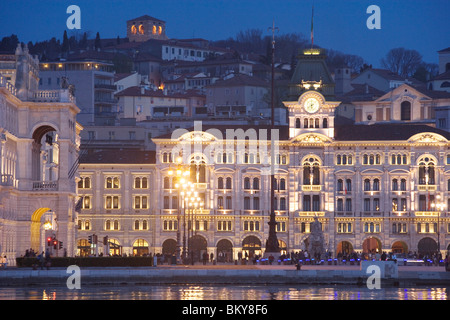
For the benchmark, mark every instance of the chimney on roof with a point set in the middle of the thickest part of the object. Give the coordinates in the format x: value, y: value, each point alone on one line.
x: 142, y: 90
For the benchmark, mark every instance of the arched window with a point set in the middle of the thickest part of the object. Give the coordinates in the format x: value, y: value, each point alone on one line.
x: 340, y: 205
x: 166, y: 183
x: 348, y: 185
x: 282, y: 203
x: 325, y: 123
x: 403, y: 185
x: 282, y: 184
x: 340, y: 185
x: 311, y: 171
x: 247, y: 183
x: 405, y: 111
x: 426, y: 170
x: 297, y: 123
x: 255, y: 183
x: 198, y: 170
x: 366, y: 185
x: 228, y: 183
x: 220, y: 183
x: 141, y: 29
x: 394, y: 184
x: 376, y: 185
x: 220, y: 202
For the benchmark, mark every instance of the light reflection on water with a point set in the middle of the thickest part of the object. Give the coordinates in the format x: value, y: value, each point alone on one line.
x: 198, y: 292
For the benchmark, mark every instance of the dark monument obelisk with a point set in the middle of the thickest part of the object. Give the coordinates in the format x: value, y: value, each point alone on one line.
x: 272, y: 245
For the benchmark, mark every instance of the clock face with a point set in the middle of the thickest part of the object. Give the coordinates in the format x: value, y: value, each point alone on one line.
x: 311, y: 105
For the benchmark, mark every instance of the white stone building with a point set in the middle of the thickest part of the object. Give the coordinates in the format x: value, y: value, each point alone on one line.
x: 39, y: 143
x: 374, y: 187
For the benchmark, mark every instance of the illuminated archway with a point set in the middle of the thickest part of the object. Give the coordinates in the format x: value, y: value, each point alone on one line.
x: 169, y: 247
x: 344, y: 247
x: 372, y: 245
x: 224, y: 251
x: 251, y: 245
x: 198, y: 245
x: 140, y: 247
x: 35, y: 228
x: 399, y: 247
x: 427, y: 246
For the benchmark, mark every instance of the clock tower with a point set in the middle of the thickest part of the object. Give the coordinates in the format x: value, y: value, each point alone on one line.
x: 311, y: 94
x: 311, y: 113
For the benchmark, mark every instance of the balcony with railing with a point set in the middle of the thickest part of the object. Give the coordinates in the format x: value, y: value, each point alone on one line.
x: 375, y: 213
x: 61, y: 95
x: 311, y: 213
x: 108, y: 87
x: 426, y: 187
x: 428, y: 213
x: 313, y: 188
x: 6, y: 180
x: 4, y: 83
x: 45, y: 186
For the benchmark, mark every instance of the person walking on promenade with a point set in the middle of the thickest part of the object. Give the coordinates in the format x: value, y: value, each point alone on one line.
x: 41, y: 260
x: 47, y: 259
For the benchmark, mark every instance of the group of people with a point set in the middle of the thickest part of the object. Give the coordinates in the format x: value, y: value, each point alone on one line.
x: 43, y: 259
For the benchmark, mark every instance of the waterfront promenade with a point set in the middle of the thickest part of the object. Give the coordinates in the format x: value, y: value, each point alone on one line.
x: 225, y: 274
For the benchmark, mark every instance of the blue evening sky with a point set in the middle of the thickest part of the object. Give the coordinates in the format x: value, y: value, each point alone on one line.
x: 422, y: 25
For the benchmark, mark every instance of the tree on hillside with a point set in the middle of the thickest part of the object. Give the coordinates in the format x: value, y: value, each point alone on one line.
x: 65, y: 44
x: 401, y: 61
x: 9, y: 44
x: 337, y: 59
x: 97, y: 43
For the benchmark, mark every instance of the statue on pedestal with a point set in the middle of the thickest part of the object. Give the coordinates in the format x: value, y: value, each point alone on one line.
x: 316, y: 240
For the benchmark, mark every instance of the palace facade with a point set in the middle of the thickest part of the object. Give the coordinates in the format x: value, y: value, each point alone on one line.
x: 374, y: 186
x: 39, y: 144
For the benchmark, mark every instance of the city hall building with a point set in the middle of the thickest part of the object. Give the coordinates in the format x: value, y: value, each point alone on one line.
x: 379, y: 184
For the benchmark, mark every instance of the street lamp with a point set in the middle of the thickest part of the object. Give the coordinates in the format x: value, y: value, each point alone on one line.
x: 439, y: 206
x: 193, y: 202
x: 181, y: 175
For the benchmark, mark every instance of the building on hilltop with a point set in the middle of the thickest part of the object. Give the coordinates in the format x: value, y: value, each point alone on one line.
x: 143, y: 28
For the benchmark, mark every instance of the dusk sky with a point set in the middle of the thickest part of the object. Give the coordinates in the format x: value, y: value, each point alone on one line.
x: 338, y: 24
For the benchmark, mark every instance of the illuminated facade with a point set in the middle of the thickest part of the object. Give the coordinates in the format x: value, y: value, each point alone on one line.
x: 373, y: 187
x: 378, y: 187
x: 39, y: 143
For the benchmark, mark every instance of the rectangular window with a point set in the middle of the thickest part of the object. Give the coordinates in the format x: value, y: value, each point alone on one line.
x: 112, y: 202
x: 140, y: 202
x: 86, y: 202
x: 281, y: 226
x: 306, y: 203
x: 367, y: 204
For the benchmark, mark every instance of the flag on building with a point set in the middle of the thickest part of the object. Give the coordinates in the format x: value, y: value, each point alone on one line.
x: 312, y: 28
